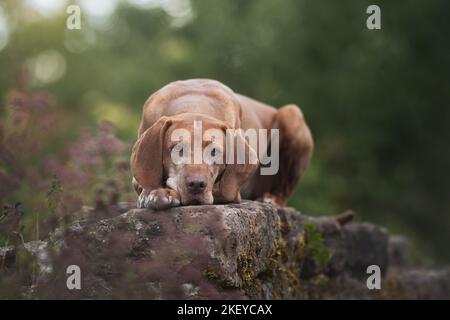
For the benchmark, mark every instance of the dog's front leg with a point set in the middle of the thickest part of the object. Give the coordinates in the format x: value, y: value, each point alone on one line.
x: 158, y: 199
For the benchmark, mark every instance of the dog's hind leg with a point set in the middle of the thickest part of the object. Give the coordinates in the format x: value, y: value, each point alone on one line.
x: 295, y: 151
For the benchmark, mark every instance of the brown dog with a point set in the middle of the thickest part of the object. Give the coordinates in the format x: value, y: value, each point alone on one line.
x: 161, y: 183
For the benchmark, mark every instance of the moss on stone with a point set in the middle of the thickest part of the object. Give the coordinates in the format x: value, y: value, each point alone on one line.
x: 244, y: 267
x: 316, y: 244
x: 392, y: 288
x: 283, y: 265
x: 209, y: 274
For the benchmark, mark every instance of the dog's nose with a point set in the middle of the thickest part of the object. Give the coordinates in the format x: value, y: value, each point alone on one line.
x: 196, y: 184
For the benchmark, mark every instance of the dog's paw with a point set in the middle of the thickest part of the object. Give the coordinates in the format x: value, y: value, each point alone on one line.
x: 271, y: 199
x: 159, y: 199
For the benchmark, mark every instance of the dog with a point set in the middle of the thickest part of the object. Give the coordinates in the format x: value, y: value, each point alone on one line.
x: 161, y: 183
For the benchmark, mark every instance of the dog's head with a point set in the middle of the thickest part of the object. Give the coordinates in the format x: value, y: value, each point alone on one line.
x: 171, y: 153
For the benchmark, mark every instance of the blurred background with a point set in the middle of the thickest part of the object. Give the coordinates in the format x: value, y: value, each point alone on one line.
x: 377, y: 101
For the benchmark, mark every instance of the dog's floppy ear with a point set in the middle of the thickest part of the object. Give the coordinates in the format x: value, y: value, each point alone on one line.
x: 147, y: 155
x: 235, y: 174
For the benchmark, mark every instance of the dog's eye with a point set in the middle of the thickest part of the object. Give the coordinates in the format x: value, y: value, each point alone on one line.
x: 178, y: 148
x: 216, y: 152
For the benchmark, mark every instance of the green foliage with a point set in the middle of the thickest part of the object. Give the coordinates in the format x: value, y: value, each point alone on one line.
x: 316, y: 244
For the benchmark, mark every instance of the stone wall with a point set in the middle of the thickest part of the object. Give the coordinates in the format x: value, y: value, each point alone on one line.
x: 248, y: 250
